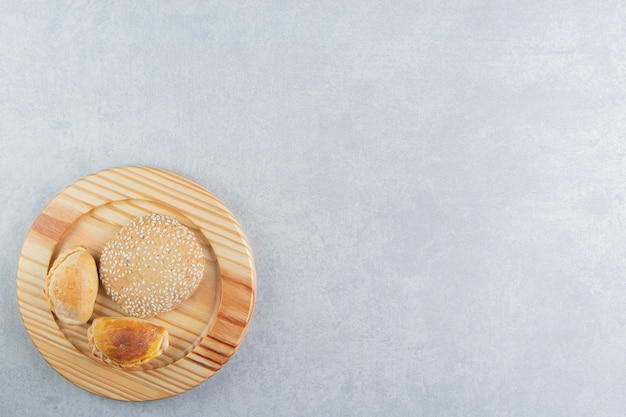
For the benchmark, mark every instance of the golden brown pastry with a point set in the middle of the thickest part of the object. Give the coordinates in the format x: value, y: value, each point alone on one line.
x: 151, y: 265
x: 72, y: 285
x: 126, y: 342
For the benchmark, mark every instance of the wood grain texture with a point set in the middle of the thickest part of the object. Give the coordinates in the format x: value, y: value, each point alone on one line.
x: 205, y: 330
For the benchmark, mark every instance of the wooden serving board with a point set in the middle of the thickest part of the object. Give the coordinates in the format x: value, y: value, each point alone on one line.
x: 205, y: 330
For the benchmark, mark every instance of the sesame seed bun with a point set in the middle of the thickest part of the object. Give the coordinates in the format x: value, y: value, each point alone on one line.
x: 151, y: 265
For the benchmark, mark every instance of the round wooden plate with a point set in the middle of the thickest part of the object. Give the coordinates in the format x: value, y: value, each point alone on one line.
x: 205, y: 330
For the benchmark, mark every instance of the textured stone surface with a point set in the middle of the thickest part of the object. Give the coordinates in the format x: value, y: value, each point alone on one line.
x: 435, y: 192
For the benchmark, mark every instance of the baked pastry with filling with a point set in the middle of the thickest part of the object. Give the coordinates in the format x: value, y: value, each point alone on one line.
x: 72, y: 285
x: 126, y: 342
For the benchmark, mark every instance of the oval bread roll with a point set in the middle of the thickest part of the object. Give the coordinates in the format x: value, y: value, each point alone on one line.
x: 72, y: 286
x: 126, y: 342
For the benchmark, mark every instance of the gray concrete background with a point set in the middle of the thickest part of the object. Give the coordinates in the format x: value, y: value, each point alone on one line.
x: 435, y: 192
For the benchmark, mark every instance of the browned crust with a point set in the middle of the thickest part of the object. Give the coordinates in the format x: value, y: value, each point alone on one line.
x: 126, y: 342
x: 72, y: 285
